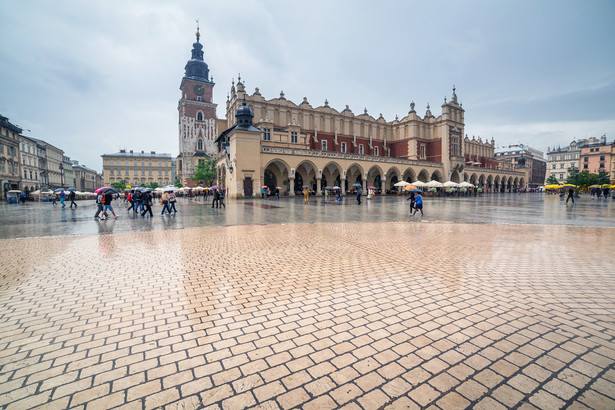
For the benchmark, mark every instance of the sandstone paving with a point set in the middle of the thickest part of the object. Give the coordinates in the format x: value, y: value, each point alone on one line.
x: 321, y: 315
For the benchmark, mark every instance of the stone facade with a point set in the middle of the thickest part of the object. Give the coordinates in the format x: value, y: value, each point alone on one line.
x: 515, y: 156
x: 10, y: 170
x: 137, y: 168
x: 197, y: 116
x: 293, y: 145
x: 560, y: 161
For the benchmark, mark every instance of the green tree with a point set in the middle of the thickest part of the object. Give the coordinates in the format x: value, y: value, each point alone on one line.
x: 603, y: 177
x: 552, y: 180
x: 153, y: 185
x: 205, y: 171
x: 121, y: 185
x: 177, y: 183
x: 583, y: 179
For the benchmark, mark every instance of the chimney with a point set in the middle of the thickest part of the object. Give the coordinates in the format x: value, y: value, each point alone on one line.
x: 154, y: 152
x: 131, y: 151
x: 142, y: 152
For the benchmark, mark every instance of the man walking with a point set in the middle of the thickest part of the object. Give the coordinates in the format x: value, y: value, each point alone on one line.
x: 570, y: 195
x: 71, y: 196
x: 146, y: 199
x: 108, y: 199
x: 359, y: 192
x: 62, y: 199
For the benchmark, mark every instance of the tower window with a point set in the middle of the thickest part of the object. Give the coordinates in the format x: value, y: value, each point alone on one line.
x: 361, y: 149
x: 324, y: 145
x: 266, y: 134
x: 199, y: 116
x: 199, y: 145
x: 343, y: 147
x: 422, y: 152
x: 293, y: 137
x: 376, y: 153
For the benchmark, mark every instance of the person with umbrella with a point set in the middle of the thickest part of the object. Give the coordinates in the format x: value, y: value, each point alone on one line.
x: 418, y: 204
x: 108, y: 198
x: 306, y: 193
x: 172, y: 200
x: 165, y: 202
x: 146, y: 198
x: 570, y: 195
x: 71, y: 196
x: 62, y: 198
x: 359, y: 192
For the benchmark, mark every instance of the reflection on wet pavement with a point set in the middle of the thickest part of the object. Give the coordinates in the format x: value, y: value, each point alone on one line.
x: 43, y: 219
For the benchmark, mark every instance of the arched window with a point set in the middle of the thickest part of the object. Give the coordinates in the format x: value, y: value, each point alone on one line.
x: 199, y: 145
x: 199, y: 116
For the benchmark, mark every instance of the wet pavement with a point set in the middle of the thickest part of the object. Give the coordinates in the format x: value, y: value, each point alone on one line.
x: 44, y: 219
x: 494, y: 302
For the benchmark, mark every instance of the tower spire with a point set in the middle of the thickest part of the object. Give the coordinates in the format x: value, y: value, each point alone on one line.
x: 198, y: 34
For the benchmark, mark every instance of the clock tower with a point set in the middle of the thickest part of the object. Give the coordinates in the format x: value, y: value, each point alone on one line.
x: 197, y: 115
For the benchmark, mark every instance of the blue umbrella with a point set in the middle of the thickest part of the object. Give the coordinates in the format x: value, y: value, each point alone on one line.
x: 58, y: 190
x: 71, y: 189
x: 357, y: 185
x: 305, y: 186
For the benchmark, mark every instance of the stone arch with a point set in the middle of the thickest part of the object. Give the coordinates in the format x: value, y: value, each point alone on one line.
x: 354, y: 174
x: 496, y: 183
x: 423, y: 176
x: 409, y: 175
x: 455, y: 176
x: 307, y: 170
x: 473, y: 179
x: 516, y: 183
x: 481, y: 181
x: 276, y: 174
x: 436, y: 176
x: 393, y: 177
x: 331, y: 174
x: 490, y: 182
x: 374, y: 176
x: 522, y: 183
x: 466, y: 176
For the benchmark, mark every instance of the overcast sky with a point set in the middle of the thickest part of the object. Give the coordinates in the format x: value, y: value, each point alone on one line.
x: 94, y: 77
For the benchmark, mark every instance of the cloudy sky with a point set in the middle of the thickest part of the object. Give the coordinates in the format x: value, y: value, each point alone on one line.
x: 94, y: 77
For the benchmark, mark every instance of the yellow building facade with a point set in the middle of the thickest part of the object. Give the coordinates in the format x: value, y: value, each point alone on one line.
x: 137, y: 168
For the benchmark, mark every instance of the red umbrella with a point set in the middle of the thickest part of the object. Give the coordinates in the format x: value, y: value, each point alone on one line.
x: 100, y: 189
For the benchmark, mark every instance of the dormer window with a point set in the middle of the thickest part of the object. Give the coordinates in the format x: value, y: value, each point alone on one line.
x: 266, y: 134
x: 293, y: 137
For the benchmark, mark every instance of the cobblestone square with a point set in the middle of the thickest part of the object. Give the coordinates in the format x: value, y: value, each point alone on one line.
x: 317, y: 315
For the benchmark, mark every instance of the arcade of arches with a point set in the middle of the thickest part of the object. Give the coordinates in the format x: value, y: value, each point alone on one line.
x: 290, y: 173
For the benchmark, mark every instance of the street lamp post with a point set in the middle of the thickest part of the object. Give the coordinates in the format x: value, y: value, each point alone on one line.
x: 62, y: 174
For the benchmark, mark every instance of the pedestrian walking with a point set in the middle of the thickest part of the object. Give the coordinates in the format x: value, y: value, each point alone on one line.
x: 359, y: 192
x: 221, y: 200
x: 172, y: 200
x: 147, y: 204
x: 306, y: 194
x: 216, y: 200
x: 130, y: 199
x: 338, y: 194
x: 62, y: 199
x: 570, y: 195
x: 99, y: 203
x: 277, y: 193
x: 262, y: 193
x: 108, y: 206
x: 55, y: 200
x: 165, y: 203
x: 71, y: 196
x: 418, y: 204
x: 412, y: 200
x: 326, y: 195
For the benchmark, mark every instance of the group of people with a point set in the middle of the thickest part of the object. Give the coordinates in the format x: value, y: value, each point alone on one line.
x: 416, y: 203
x: 62, y: 197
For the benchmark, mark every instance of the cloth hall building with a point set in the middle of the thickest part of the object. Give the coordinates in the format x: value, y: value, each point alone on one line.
x: 279, y: 143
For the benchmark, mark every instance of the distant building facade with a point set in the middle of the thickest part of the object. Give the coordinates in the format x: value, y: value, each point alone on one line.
x: 561, y: 161
x: 596, y: 158
x: 197, y: 116
x: 29, y: 158
x: 137, y: 168
x: 85, y: 178
x: 10, y: 169
x: 515, y: 156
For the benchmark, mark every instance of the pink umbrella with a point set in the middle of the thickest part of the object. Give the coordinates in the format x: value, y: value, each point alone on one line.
x: 100, y: 189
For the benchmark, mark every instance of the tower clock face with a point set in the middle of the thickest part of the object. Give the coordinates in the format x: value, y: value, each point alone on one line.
x: 199, y: 89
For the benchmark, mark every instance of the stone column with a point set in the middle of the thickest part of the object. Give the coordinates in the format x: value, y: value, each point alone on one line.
x: 383, y: 186
x: 318, y: 187
x: 342, y: 186
x: 364, y: 180
x: 292, y: 186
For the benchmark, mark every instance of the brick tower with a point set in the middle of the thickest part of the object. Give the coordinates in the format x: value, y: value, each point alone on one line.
x: 197, y: 115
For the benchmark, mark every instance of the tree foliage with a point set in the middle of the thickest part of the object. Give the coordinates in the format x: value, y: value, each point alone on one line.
x: 552, y: 180
x: 205, y: 171
x: 121, y: 185
x: 585, y: 178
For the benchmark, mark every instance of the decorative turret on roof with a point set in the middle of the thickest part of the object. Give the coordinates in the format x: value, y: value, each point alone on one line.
x: 428, y: 112
x: 196, y: 68
x: 244, y: 115
x: 454, y: 97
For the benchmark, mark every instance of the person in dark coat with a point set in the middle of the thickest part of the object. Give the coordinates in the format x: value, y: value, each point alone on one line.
x: 71, y: 196
x: 216, y: 200
x: 147, y: 204
x: 359, y: 192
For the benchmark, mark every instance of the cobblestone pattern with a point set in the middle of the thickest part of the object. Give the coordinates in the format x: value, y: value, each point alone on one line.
x: 393, y: 315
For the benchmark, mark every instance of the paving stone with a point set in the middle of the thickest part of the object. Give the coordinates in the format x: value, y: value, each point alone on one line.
x: 268, y: 324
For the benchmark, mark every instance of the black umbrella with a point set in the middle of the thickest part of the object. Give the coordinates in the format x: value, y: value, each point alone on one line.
x: 110, y: 191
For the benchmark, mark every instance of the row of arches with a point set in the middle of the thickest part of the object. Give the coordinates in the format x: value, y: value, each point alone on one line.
x: 278, y: 173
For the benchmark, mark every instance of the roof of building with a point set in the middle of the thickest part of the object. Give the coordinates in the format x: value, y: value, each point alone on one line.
x: 142, y: 154
x: 83, y: 167
x: 4, y: 122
